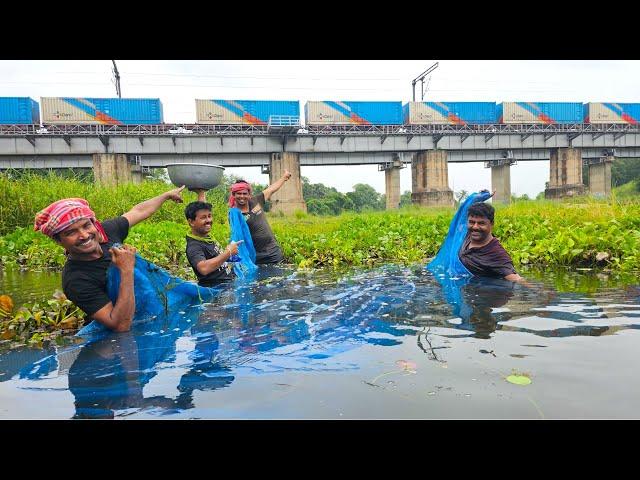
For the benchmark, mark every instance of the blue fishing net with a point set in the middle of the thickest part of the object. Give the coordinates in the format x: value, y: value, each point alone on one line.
x: 244, y: 264
x: 156, y: 292
x: 447, y: 263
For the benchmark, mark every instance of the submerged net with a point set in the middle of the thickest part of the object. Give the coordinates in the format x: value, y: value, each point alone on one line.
x: 245, y: 264
x: 447, y: 263
x: 156, y: 292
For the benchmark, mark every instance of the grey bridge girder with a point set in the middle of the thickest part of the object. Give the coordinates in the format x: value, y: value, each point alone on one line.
x: 235, y: 144
x: 314, y: 158
x: 139, y: 145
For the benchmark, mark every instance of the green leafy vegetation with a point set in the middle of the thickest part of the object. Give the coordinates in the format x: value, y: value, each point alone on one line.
x: 40, y: 322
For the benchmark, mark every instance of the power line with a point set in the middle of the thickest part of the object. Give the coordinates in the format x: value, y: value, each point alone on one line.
x: 297, y: 77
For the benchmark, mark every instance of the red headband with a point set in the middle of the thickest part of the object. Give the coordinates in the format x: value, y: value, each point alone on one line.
x: 61, y: 214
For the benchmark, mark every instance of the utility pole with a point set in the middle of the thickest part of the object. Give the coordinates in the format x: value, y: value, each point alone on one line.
x: 421, y: 77
x: 116, y: 76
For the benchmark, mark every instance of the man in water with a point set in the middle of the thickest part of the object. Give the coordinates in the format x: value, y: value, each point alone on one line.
x: 481, y: 253
x: 267, y: 249
x: 205, y: 255
x: 90, y: 251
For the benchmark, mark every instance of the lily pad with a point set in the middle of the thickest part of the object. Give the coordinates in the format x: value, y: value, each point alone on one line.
x: 519, y: 379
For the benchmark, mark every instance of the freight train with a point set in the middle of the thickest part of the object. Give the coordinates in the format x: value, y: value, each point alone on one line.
x: 148, y: 111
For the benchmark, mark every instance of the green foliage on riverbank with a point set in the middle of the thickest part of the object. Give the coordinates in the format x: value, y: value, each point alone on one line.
x: 537, y: 233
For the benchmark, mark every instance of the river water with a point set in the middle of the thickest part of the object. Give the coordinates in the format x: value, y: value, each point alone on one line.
x: 390, y: 342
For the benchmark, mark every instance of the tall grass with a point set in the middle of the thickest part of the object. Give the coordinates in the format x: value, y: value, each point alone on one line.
x: 21, y: 198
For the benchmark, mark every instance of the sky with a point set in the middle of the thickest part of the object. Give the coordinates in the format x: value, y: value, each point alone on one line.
x: 179, y: 82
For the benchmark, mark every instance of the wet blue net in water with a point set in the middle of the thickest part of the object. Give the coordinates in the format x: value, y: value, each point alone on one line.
x: 156, y: 292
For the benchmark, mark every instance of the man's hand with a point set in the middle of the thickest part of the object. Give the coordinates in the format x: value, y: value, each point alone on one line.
x: 287, y: 175
x: 487, y: 191
x: 233, y: 247
x: 124, y: 258
x: 202, y: 194
x: 175, y: 194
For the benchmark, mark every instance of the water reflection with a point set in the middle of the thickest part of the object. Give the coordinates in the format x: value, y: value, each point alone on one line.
x: 110, y: 373
x: 304, y: 322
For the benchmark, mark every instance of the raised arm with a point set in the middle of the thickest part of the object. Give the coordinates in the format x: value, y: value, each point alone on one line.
x: 202, y: 194
x: 275, y: 186
x: 144, y: 210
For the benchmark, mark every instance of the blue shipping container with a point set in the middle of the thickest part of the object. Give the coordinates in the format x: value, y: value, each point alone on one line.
x: 130, y: 111
x: 19, y: 111
x: 264, y: 109
x: 563, y: 112
x: 353, y: 113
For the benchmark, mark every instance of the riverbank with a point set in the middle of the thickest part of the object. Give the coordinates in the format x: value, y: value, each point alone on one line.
x: 537, y: 233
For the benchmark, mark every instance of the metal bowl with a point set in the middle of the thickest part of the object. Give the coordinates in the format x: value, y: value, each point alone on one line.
x: 195, y: 175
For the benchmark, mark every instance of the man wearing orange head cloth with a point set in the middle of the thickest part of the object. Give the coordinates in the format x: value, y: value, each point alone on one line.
x: 90, y: 252
x: 267, y: 249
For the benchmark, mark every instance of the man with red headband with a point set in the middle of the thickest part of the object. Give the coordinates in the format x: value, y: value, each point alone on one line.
x: 267, y: 249
x: 90, y: 252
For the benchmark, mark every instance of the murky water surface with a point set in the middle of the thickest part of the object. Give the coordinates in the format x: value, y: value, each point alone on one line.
x: 391, y: 342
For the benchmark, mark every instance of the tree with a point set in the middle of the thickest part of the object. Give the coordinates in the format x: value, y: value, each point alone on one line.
x: 461, y: 196
x: 405, y: 198
x: 365, y: 197
x: 624, y: 170
x: 159, y: 174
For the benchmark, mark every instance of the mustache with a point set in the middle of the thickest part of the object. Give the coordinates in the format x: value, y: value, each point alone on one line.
x: 79, y: 242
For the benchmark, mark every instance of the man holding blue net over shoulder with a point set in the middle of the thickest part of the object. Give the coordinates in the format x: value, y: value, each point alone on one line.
x: 94, y: 250
x: 470, y: 247
x: 209, y: 261
x: 251, y: 207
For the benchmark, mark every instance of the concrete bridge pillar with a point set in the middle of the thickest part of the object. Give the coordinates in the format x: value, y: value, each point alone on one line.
x: 565, y: 173
x: 392, y: 182
x: 289, y: 198
x: 112, y: 169
x: 430, y: 179
x: 501, y: 180
x: 136, y: 174
x: 600, y: 177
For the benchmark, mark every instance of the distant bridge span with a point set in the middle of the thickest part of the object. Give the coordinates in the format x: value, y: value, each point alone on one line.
x: 428, y: 148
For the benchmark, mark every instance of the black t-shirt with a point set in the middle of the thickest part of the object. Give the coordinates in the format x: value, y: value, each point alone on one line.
x: 198, y: 251
x: 85, y: 282
x: 264, y: 241
x: 491, y: 260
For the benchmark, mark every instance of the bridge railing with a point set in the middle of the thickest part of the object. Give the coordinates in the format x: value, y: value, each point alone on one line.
x: 292, y: 126
x: 284, y: 121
